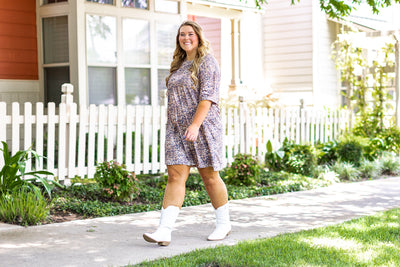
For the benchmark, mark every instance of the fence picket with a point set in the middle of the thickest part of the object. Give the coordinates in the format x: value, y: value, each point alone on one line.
x: 28, y: 121
x: 40, y: 120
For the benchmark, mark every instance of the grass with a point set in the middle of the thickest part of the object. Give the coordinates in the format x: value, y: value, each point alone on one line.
x: 367, y: 241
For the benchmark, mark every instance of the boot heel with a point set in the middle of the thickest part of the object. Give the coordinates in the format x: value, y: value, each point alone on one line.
x: 163, y: 243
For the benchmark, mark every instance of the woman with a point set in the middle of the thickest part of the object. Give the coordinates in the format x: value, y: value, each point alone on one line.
x: 194, y: 132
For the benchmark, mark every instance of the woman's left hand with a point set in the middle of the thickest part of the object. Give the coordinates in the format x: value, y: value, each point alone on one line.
x: 192, y: 132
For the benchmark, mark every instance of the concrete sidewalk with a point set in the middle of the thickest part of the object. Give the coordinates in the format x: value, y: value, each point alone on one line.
x: 117, y: 241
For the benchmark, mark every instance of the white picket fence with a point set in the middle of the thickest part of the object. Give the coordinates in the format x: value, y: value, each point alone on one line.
x: 74, y: 142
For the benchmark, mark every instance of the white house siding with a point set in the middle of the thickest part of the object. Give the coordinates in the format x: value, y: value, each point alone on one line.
x: 251, y: 53
x: 288, y: 50
x: 325, y: 74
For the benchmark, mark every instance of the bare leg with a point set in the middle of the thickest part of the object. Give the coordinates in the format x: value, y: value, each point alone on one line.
x: 175, y: 189
x: 173, y: 200
x: 215, y: 187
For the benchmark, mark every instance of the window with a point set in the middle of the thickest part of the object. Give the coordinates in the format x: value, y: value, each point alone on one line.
x: 136, y: 45
x: 101, y: 39
x: 166, y: 36
x: 167, y: 6
x: 136, y: 39
x: 55, y: 57
x: 102, y: 85
x: 54, y: 77
x: 107, y: 2
x: 137, y: 86
x: 46, y: 2
x: 101, y: 43
x: 143, y: 4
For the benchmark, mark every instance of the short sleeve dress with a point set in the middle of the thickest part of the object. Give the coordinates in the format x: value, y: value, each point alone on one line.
x: 183, y: 100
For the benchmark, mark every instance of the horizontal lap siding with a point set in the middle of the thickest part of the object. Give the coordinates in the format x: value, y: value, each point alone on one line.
x: 212, y: 31
x: 288, y: 45
x: 18, y: 43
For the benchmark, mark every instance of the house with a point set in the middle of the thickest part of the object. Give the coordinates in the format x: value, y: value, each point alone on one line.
x: 116, y: 51
x: 297, y: 43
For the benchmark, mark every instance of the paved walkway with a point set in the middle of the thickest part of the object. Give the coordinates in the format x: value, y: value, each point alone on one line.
x: 117, y: 241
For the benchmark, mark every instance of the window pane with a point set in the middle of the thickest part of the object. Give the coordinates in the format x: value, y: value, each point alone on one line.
x: 162, y: 74
x: 136, y: 35
x: 107, y: 2
x: 167, y: 6
x: 102, y: 85
x: 143, y: 4
x: 53, y: 79
x: 55, y: 40
x: 101, y: 39
x: 137, y: 86
x: 45, y: 2
x: 166, y: 36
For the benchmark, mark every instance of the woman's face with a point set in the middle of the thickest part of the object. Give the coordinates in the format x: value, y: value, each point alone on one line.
x: 188, y: 40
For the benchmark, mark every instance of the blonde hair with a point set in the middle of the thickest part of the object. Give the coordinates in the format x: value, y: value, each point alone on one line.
x: 180, y: 54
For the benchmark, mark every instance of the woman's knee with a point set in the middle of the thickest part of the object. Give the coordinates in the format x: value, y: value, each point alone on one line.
x: 177, y: 174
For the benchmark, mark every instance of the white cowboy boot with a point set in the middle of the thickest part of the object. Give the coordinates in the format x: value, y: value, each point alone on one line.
x: 162, y: 236
x: 223, y: 224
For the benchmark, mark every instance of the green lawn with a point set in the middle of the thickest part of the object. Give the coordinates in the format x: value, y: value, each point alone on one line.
x: 367, y: 241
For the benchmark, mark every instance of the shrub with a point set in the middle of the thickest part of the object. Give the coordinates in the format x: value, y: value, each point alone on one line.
x: 24, y: 206
x: 13, y: 176
x: 117, y: 183
x: 291, y: 157
x: 351, y: 149
x: 390, y: 164
x: 370, y: 169
x: 244, y: 170
x: 346, y: 171
x: 326, y: 152
x: 391, y: 139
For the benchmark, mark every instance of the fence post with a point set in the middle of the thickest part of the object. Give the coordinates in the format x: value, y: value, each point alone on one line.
x: 301, y: 121
x: 66, y: 98
x: 242, y: 125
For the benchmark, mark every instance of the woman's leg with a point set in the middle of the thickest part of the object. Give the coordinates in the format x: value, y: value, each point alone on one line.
x: 175, y: 190
x: 215, y: 187
x: 218, y: 194
x: 173, y: 200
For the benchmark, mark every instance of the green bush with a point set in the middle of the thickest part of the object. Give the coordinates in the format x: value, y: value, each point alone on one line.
x: 24, y: 206
x: 326, y: 152
x: 390, y: 164
x: 293, y: 158
x: 117, y: 183
x: 391, y: 139
x: 346, y: 171
x: 244, y: 170
x: 370, y: 169
x: 351, y: 148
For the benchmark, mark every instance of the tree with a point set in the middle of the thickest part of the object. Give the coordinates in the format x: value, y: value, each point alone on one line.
x: 341, y: 8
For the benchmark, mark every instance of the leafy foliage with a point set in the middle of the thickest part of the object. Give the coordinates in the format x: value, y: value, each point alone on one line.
x: 346, y: 171
x: 291, y: 157
x: 326, y: 152
x: 117, y: 183
x: 24, y: 206
x: 340, y: 8
x: 351, y: 148
x: 244, y: 170
x: 13, y: 175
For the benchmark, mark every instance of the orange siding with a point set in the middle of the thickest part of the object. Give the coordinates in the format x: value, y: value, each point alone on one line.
x: 18, y: 43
